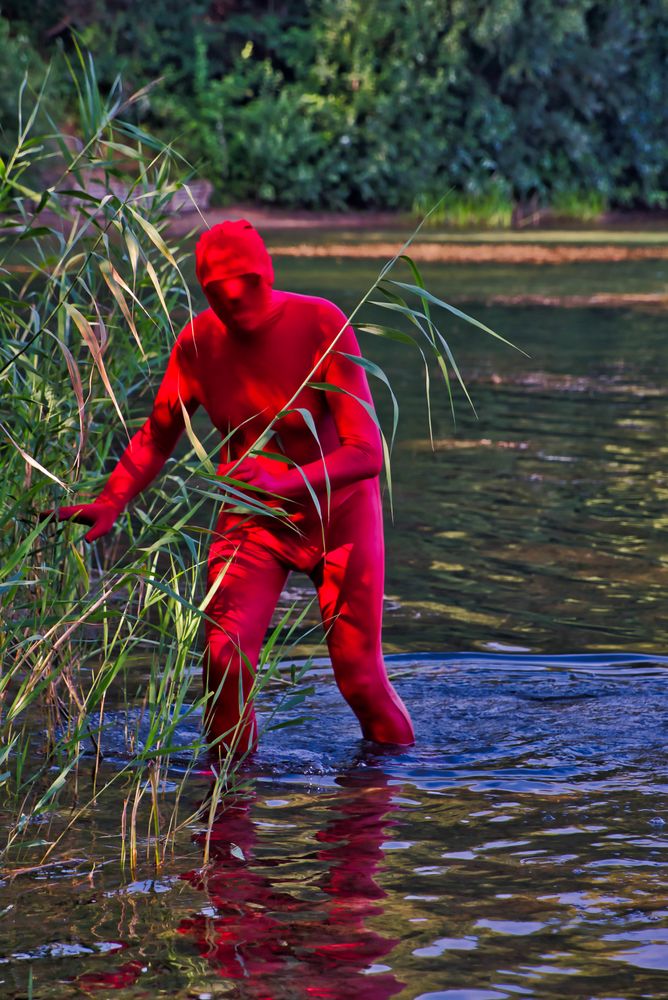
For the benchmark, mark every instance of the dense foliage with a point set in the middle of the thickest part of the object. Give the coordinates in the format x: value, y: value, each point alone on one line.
x: 334, y: 103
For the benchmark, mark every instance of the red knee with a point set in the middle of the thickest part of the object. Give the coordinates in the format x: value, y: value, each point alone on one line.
x: 226, y: 665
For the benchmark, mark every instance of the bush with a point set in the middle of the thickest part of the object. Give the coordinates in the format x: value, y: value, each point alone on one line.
x: 19, y: 61
x: 332, y: 103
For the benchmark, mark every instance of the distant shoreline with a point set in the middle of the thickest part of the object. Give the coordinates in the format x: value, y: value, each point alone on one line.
x: 611, y: 227
x: 379, y: 235
x: 471, y: 253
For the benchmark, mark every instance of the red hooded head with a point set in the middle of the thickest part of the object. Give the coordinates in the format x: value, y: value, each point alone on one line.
x: 230, y: 249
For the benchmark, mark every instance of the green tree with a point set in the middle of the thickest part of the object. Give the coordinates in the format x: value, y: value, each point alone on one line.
x: 332, y: 103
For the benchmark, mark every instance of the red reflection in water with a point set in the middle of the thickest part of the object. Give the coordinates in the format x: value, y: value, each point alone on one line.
x: 124, y: 975
x: 257, y: 932
x: 261, y: 934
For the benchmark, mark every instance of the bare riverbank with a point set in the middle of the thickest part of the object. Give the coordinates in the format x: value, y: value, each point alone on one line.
x: 379, y: 235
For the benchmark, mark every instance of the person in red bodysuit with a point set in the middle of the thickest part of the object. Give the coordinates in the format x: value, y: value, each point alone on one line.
x: 247, y: 360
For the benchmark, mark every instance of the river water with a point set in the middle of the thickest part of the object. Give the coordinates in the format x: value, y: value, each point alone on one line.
x: 520, y: 849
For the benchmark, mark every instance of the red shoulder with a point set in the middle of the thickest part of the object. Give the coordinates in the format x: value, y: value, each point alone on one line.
x: 322, y: 312
x: 332, y: 319
x: 194, y: 335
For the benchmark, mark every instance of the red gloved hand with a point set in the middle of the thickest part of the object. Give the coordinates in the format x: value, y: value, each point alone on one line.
x: 100, y: 514
x: 271, y: 480
x: 256, y: 474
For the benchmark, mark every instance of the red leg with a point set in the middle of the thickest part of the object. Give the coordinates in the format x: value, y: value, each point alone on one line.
x: 251, y: 583
x: 350, y: 592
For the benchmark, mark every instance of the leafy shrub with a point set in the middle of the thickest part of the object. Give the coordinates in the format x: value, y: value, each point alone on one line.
x: 331, y: 103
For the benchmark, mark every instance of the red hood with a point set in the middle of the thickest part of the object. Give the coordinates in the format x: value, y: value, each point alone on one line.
x: 230, y: 249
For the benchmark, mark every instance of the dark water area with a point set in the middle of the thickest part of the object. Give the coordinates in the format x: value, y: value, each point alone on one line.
x: 519, y: 849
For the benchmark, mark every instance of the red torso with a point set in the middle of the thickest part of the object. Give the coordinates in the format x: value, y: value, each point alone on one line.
x: 244, y: 379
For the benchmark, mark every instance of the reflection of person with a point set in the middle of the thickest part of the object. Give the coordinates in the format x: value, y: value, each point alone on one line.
x: 256, y: 930
x: 244, y: 360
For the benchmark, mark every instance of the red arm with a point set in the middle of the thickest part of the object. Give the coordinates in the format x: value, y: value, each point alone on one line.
x: 145, y: 454
x: 151, y: 446
x: 360, y: 454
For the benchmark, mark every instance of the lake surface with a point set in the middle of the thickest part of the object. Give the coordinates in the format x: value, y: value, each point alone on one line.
x: 542, y: 525
x: 520, y: 849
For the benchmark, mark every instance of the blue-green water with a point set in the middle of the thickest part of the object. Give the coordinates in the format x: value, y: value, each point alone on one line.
x: 540, y: 525
x: 519, y: 849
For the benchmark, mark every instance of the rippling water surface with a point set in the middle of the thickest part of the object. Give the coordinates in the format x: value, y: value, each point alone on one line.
x: 520, y: 849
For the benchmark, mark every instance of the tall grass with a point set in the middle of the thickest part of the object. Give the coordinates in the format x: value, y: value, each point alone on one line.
x: 490, y: 206
x: 91, y: 293
x: 579, y: 206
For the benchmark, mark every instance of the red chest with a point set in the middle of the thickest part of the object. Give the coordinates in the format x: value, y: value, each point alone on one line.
x: 249, y: 384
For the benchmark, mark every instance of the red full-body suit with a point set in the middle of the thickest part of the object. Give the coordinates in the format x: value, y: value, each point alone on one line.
x: 246, y: 359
